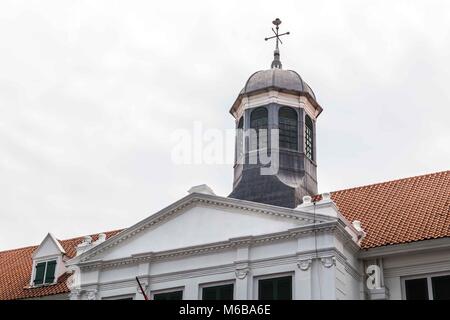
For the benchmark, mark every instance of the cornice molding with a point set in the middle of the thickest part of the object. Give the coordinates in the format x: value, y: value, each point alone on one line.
x: 406, y: 248
x: 198, y: 199
x: 211, y: 247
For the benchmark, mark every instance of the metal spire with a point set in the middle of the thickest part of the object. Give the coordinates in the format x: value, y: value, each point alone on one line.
x: 276, y: 63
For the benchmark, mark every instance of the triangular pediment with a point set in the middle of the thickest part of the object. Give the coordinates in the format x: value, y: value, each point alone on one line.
x: 50, y: 246
x: 197, y: 220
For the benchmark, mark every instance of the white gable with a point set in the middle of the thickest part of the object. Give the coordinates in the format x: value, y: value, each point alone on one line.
x: 48, y: 247
x: 200, y: 225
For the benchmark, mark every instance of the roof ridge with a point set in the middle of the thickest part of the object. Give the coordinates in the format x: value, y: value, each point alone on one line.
x: 59, y: 240
x: 91, y: 234
x: 393, y: 180
x: 20, y: 248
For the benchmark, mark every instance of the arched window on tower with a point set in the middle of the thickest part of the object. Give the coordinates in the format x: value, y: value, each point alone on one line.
x: 309, y: 138
x: 288, y: 128
x: 258, y: 121
x: 240, y: 139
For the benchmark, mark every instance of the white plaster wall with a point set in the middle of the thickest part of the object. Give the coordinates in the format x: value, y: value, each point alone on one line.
x: 200, y: 225
x: 398, y: 266
x: 191, y: 272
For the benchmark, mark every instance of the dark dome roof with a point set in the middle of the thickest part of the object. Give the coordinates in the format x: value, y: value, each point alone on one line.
x: 277, y: 78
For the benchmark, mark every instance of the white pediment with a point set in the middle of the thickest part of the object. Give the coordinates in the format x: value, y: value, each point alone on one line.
x: 193, y: 221
x: 50, y: 246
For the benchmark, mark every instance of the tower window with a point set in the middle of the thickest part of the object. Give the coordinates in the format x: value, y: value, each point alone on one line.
x: 258, y: 121
x: 240, y: 139
x: 288, y: 128
x: 45, y: 272
x: 309, y: 138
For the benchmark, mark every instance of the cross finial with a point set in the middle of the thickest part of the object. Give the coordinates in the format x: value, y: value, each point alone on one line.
x: 276, y: 63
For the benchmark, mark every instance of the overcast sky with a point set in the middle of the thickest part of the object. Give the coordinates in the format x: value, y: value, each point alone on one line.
x: 90, y: 92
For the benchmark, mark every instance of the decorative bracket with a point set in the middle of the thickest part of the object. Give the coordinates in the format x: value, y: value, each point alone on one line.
x: 328, y: 262
x: 304, y: 264
x: 144, y: 285
x: 242, y: 270
x: 74, y: 294
x: 92, y: 294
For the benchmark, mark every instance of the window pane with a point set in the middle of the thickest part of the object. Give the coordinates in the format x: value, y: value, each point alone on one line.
x: 50, y: 273
x: 441, y: 287
x: 258, y: 121
x: 416, y: 289
x: 275, y: 289
x: 223, y: 292
x: 288, y: 128
x: 39, y: 275
x: 240, y: 139
x: 173, y: 295
x: 309, y: 138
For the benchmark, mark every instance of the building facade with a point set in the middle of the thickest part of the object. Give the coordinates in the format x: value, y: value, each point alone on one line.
x: 273, y: 237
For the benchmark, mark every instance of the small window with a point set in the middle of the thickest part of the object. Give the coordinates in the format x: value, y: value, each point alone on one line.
x: 258, y: 123
x: 416, y: 289
x: 172, y: 295
x: 222, y: 292
x: 240, y: 139
x: 428, y: 288
x: 309, y: 138
x: 275, y: 288
x: 45, y: 272
x: 441, y: 287
x: 288, y: 128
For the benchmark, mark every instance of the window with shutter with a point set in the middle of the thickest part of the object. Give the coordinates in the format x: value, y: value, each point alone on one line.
x: 45, y: 272
x: 50, y: 272
x: 39, y: 274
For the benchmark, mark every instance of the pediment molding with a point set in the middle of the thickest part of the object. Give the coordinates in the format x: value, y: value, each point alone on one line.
x: 211, y: 247
x: 199, y: 200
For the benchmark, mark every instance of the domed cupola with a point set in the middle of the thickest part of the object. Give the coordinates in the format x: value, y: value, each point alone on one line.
x: 275, y: 113
x: 278, y: 79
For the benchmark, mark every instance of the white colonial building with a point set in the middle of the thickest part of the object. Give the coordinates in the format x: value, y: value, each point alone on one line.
x: 273, y: 237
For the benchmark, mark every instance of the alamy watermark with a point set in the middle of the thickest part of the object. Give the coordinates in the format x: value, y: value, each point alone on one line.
x: 213, y: 146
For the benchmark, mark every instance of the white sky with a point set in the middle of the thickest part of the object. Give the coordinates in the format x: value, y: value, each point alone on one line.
x: 90, y: 92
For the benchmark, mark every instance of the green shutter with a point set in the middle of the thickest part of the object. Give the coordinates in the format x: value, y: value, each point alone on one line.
x: 50, y: 273
x: 39, y: 274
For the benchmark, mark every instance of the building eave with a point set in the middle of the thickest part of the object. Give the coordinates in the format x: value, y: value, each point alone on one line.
x: 406, y: 248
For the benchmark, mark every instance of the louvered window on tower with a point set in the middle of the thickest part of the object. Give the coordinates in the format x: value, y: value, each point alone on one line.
x: 258, y: 126
x: 288, y: 128
x: 309, y: 138
x: 240, y: 139
x: 45, y: 272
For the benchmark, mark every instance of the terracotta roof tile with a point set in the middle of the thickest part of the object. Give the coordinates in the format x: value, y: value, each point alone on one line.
x: 15, y: 271
x: 393, y: 212
x: 399, y: 211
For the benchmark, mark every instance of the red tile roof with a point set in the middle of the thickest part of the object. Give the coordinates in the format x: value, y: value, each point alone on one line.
x: 15, y: 271
x: 399, y: 211
x: 393, y: 212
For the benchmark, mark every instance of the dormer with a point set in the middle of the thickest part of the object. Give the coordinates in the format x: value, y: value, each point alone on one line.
x: 48, y: 264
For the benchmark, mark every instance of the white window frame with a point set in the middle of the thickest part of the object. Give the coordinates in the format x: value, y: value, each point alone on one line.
x: 216, y: 284
x: 33, y: 272
x: 272, y: 276
x: 168, y: 290
x: 427, y: 276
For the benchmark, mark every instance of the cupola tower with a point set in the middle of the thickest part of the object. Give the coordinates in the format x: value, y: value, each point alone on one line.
x: 275, y: 115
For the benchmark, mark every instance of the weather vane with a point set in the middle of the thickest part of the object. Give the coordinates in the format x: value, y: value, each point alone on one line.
x: 276, y: 63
